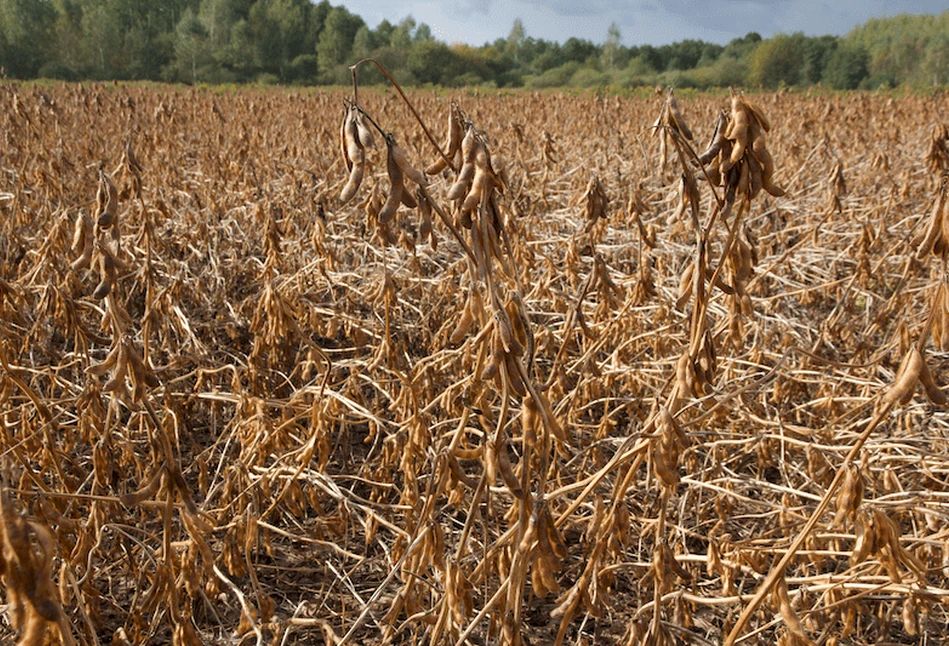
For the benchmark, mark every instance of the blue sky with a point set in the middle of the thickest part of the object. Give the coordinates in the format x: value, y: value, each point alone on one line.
x: 654, y: 22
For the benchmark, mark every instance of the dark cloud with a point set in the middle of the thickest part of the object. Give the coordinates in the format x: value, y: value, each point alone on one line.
x: 726, y: 16
x: 472, y: 7
x: 655, y: 22
x: 569, y: 8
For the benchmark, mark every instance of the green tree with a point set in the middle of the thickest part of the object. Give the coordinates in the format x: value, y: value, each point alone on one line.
x: 847, y: 67
x: 218, y: 17
x: 363, y: 43
x: 266, y: 38
x: 422, y: 33
x: 555, y: 77
x: 741, y: 48
x: 26, y: 29
x: 116, y: 38
x: 401, y: 37
x: 102, y: 31
x: 546, y: 60
x: 654, y: 58
x: 897, y: 46
x: 710, y: 54
x: 383, y: 33
x: 576, y: 49
x: 240, y: 56
x: 539, y: 55
x: 779, y: 60
x: 434, y: 62
x: 315, y: 23
x: 639, y: 66
x: 148, y: 29
x: 286, y: 34
x: 817, y: 52
x: 611, y: 47
x: 68, y: 37
x: 935, y: 64
x: 685, y: 55
x: 192, y: 48
x: 336, y: 44
x: 729, y: 71
x: 515, y: 40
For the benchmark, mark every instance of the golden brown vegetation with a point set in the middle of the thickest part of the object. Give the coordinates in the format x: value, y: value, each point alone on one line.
x: 588, y: 381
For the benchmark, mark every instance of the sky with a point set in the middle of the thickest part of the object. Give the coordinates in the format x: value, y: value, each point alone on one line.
x: 640, y: 22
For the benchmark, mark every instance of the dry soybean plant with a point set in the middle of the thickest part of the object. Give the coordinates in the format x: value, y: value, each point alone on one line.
x: 285, y: 367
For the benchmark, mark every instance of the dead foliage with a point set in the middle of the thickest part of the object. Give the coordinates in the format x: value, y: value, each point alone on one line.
x: 265, y: 380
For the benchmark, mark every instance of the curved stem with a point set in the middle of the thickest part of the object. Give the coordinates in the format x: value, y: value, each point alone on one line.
x: 352, y: 70
x: 404, y: 98
x: 777, y: 570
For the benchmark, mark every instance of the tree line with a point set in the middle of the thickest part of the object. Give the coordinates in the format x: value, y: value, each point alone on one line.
x: 298, y: 42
